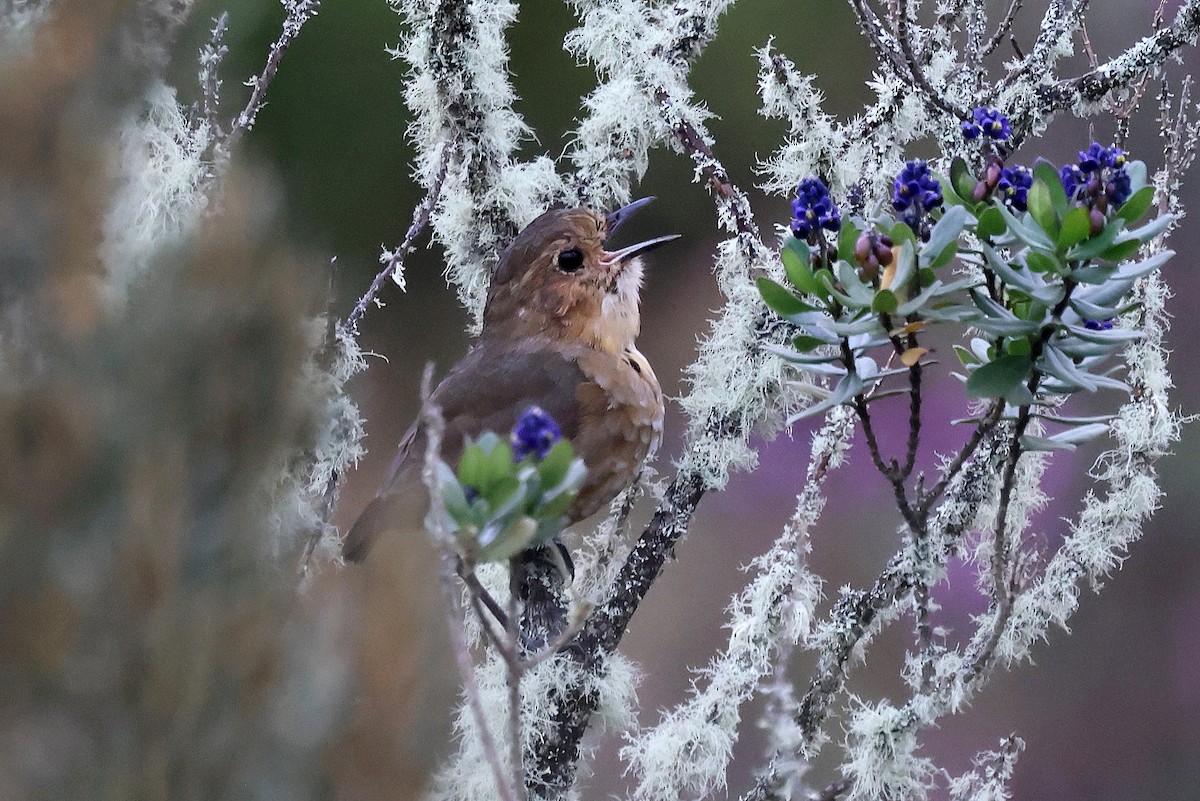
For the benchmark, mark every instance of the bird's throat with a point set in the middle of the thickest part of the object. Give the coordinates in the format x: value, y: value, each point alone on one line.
x: 619, y: 321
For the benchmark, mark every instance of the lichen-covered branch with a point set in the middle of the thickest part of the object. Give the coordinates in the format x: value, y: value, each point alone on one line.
x: 458, y: 91
x: 1081, y: 92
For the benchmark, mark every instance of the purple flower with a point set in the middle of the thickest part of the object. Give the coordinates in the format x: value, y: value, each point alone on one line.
x: 988, y: 121
x: 814, y: 209
x: 535, y: 433
x: 1098, y: 325
x: 1072, y: 178
x: 1013, y: 187
x: 1099, y: 179
x: 916, y: 192
x: 1097, y: 157
x: 1119, y: 186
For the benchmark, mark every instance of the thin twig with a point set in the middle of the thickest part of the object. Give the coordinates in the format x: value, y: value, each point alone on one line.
x: 515, y: 670
x: 951, y: 472
x: 901, y: 57
x: 394, y: 260
x: 695, y: 145
x: 1093, y: 61
x: 1005, y: 26
x: 476, y: 589
x: 435, y: 425
x: 211, y: 55
x: 298, y: 13
x: 889, y: 471
x: 916, y: 73
x: 496, y: 639
x: 834, y: 790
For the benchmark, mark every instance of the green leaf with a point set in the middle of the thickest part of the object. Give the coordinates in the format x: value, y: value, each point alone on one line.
x: 1041, y: 208
x: 951, y: 194
x: 556, y: 506
x: 1040, y: 262
x: 498, y: 464
x: 806, y: 344
x: 797, y: 264
x: 991, y: 223
x: 1019, y: 347
x: 944, y: 232
x: 901, y: 233
x: 885, y: 302
x: 1046, y: 172
x: 453, y: 496
x: 510, y: 541
x: 965, y: 356
x: 1133, y: 209
x: 501, y: 490
x: 553, y: 468
x: 1094, y: 273
x: 962, y: 178
x: 824, y: 279
x: 1138, y: 177
x: 470, y: 466
x: 780, y: 298
x: 1097, y: 244
x: 1153, y: 228
x: 1031, y: 235
x: 858, y: 294
x: 1121, y: 251
x: 946, y: 256
x: 999, y: 378
x: 926, y: 276
x: 1076, y: 227
x: 847, y: 238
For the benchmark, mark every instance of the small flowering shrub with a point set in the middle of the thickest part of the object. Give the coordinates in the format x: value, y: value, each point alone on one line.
x: 507, y: 496
x: 1037, y: 264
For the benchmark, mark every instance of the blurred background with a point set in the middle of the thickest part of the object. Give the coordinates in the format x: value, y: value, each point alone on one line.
x: 1107, y: 713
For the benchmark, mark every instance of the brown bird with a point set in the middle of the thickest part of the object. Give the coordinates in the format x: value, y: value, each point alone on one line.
x: 558, y: 332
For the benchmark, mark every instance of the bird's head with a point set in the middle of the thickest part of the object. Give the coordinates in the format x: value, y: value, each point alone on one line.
x: 558, y: 279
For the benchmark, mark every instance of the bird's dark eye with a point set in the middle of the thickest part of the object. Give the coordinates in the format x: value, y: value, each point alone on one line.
x: 570, y: 260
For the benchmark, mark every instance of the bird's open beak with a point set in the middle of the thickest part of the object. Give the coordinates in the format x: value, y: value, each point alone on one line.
x: 615, y: 220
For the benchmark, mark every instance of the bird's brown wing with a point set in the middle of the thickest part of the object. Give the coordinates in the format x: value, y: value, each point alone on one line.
x: 486, y: 391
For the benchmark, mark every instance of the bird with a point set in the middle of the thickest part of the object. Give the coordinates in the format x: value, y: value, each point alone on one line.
x: 559, y: 328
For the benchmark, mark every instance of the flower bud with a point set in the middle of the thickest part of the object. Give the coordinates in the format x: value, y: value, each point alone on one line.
x: 863, y: 247
x: 883, y: 250
x: 869, y: 269
x: 1096, y: 218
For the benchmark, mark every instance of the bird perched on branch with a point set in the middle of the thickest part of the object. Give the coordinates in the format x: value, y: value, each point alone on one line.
x: 558, y: 333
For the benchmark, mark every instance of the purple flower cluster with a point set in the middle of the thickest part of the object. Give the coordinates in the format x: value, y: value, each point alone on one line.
x: 813, y: 210
x: 989, y: 122
x: 916, y: 192
x: 535, y: 433
x: 1013, y: 187
x: 1099, y: 173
